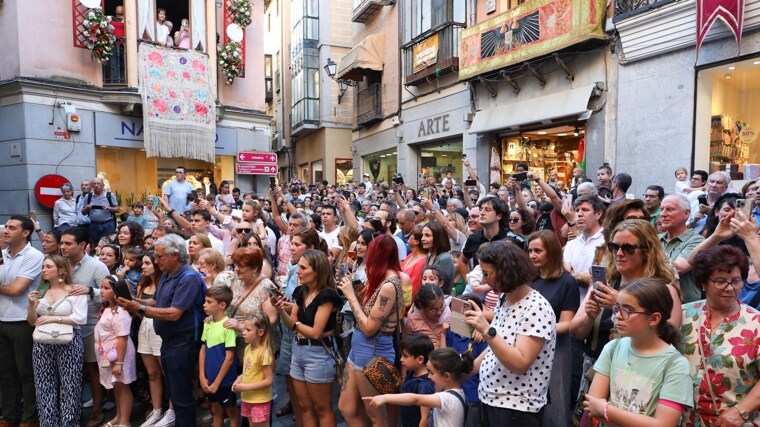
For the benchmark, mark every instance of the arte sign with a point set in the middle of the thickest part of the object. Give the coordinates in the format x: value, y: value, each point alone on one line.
x: 433, y: 125
x: 528, y: 31
x: 425, y: 53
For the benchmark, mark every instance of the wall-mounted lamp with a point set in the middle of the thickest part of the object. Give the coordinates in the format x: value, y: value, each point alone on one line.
x: 343, y: 84
x: 576, y: 131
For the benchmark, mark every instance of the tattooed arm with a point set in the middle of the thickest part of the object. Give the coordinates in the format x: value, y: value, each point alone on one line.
x: 370, y: 325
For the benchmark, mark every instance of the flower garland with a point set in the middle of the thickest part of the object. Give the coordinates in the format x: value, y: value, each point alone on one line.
x: 231, y: 60
x: 98, y: 34
x: 240, y: 10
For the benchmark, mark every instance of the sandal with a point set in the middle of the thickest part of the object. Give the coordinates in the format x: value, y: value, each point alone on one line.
x: 113, y: 423
x: 285, y: 410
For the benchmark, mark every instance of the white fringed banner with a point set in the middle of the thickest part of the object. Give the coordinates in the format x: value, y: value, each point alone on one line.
x: 178, y: 108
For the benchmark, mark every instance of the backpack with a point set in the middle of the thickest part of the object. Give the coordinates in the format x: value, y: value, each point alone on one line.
x: 461, y: 399
x: 89, y: 198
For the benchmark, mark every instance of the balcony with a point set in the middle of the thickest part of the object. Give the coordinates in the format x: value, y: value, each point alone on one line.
x: 436, y: 54
x: 628, y: 8
x: 369, y: 105
x: 364, y: 10
x: 115, y: 69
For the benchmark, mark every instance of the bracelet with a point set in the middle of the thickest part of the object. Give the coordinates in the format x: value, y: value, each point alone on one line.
x: 571, y: 224
x: 295, y: 326
x: 171, y: 212
x: 38, y: 230
x: 606, y: 415
x: 121, y: 363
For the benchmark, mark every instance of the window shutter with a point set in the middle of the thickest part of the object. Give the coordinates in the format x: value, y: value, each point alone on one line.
x: 78, y: 12
x: 228, y: 21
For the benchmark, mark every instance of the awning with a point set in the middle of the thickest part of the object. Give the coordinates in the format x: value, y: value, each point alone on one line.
x: 367, y: 55
x: 543, y: 108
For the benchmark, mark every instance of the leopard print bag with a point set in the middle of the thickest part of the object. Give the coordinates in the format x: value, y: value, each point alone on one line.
x: 380, y: 372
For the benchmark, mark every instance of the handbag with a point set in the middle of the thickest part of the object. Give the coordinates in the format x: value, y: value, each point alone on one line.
x: 340, y: 364
x: 53, y: 333
x: 380, y: 372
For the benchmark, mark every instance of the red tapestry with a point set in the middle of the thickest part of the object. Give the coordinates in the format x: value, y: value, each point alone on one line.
x: 730, y: 11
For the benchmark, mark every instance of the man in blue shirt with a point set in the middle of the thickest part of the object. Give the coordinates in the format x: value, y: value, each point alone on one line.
x: 177, y: 313
x: 178, y: 190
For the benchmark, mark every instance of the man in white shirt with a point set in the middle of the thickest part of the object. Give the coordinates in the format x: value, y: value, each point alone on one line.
x: 20, y: 273
x: 579, y: 252
x: 330, y: 221
x: 367, y: 183
x: 200, y: 220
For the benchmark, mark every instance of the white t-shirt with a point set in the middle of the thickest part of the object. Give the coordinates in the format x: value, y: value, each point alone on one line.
x: 451, y: 412
x: 499, y: 387
x: 331, y: 238
x: 215, y: 243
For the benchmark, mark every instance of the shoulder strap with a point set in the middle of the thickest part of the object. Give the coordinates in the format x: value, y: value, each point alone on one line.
x: 110, y: 200
x: 76, y: 201
x: 245, y: 297
x: 89, y: 197
x: 462, y: 400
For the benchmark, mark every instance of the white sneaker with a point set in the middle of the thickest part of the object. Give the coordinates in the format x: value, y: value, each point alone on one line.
x: 167, y: 420
x: 87, y: 404
x: 153, y: 418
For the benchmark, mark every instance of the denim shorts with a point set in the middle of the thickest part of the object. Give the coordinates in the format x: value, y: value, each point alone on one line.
x: 361, y: 349
x: 312, y: 364
x: 286, y: 351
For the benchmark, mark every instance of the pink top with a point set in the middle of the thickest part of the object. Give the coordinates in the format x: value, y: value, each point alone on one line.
x: 110, y: 327
x: 184, y: 39
x: 416, y: 323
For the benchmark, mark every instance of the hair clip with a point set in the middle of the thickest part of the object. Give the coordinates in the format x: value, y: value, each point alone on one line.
x: 469, y: 348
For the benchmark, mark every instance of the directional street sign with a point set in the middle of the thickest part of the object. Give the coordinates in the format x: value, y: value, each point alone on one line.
x: 265, y: 158
x: 256, y: 169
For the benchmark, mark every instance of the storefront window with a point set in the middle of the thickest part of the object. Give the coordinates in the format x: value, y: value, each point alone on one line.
x: 439, y: 158
x: 344, y: 171
x: 381, y: 166
x: 132, y: 176
x: 316, y: 169
x: 542, y: 151
x: 726, y: 128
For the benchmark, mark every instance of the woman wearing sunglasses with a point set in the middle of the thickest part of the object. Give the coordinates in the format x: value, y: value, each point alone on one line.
x: 633, y: 252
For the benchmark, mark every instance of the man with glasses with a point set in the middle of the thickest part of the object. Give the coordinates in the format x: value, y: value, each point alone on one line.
x: 101, y: 207
x: 418, y: 211
x: 177, y: 313
x: 678, y: 241
x: 178, y: 190
x: 652, y: 199
x: 717, y: 184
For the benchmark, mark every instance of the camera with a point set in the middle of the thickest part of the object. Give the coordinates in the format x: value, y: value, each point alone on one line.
x: 398, y: 180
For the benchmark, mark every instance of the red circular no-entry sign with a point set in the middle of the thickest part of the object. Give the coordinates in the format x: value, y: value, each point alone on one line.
x: 48, y: 189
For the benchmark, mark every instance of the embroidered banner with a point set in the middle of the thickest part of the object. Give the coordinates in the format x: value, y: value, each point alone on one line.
x: 179, y: 111
x: 730, y: 11
x: 528, y: 31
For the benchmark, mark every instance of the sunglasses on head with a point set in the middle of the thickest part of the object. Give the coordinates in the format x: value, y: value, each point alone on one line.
x: 628, y: 248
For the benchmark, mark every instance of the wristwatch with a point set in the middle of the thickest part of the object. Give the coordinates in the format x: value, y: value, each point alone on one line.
x: 141, y: 310
x: 491, y: 333
x: 742, y: 413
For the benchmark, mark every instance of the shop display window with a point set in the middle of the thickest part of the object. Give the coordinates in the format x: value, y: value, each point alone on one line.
x: 381, y: 166
x: 439, y: 158
x: 541, y: 150
x: 728, y: 113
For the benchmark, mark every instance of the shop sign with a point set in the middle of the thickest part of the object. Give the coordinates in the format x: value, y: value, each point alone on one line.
x: 425, y: 53
x: 433, y: 126
x: 528, y: 31
x: 127, y: 132
x: 747, y: 135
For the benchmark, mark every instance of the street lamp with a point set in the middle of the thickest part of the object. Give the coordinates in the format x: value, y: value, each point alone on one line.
x: 331, y: 68
x: 343, y: 84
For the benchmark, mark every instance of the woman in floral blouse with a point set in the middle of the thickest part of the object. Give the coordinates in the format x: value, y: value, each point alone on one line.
x: 720, y: 336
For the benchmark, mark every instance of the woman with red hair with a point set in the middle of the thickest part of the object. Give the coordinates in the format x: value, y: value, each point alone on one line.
x: 377, y: 310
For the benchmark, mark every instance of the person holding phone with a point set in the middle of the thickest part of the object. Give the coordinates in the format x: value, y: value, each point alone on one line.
x: 717, y: 184
x: 313, y: 319
x: 634, y: 251
x: 182, y: 36
x: 521, y: 338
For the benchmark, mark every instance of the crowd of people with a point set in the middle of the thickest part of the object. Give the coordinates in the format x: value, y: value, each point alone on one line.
x: 529, y: 303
